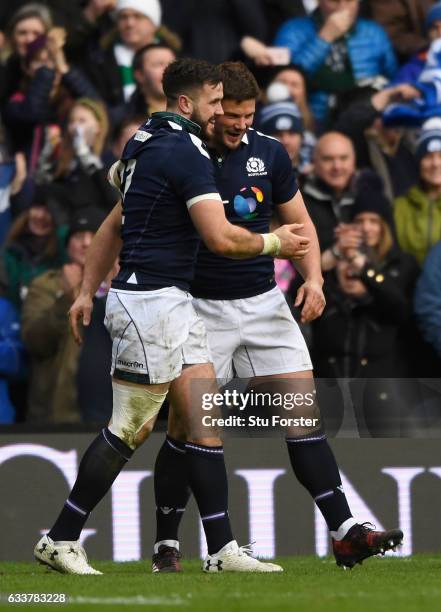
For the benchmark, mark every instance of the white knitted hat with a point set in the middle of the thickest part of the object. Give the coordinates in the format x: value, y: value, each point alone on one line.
x: 149, y: 8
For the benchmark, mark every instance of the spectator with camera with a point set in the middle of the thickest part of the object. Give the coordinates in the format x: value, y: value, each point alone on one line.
x: 57, y: 370
x: 47, y: 93
x: 363, y: 332
x: 24, y: 26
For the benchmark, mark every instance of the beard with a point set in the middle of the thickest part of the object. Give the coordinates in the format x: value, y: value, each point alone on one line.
x: 204, y: 125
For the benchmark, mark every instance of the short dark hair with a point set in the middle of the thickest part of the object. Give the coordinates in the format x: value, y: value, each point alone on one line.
x: 187, y: 74
x: 139, y: 55
x: 239, y: 83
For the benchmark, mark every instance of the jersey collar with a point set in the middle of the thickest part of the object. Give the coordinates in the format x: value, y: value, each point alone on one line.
x: 187, y: 124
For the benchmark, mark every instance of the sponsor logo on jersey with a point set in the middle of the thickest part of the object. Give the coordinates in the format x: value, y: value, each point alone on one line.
x: 246, y: 203
x: 142, y: 136
x: 256, y: 167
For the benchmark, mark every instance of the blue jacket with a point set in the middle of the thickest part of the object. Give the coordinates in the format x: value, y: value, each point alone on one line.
x: 428, y: 298
x: 411, y: 71
x: 12, y: 357
x: 369, y: 48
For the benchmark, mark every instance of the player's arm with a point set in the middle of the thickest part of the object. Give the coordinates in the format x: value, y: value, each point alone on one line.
x: 310, y: 293
x: 100, y: 258
x: 223, y: 238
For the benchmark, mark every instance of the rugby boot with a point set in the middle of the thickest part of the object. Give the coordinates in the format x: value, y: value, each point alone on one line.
x: 362, y: 541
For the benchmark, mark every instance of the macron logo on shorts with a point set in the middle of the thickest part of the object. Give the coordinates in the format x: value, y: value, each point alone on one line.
x: 131, y: 364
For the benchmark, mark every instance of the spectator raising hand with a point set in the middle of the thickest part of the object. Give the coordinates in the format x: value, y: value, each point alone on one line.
x: 337, y: 22
x: 338, y: 50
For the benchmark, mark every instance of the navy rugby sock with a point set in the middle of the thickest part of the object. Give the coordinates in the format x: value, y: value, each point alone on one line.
x: 316, y: 469
x: 100, y: 465
x: 207, y: 476
x: 172, y: 490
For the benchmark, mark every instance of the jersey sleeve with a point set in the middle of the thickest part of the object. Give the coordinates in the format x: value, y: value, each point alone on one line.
x: 192, y: 174
x: 284, y: 178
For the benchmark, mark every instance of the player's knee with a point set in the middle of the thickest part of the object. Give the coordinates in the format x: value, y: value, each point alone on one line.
x: 135, y: 409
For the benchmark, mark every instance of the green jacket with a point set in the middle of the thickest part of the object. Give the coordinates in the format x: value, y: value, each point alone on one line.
x: 54, y: 354
x: 21, y: 266
x: 418, y: 222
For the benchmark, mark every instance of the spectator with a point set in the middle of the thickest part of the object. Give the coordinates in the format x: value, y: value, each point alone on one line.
x: 282, y: 120
x: 373, y: 285
x: 387, y: 150
x: 26, y: 24
x: 418, y: 213
x: 12, y: 357
x: 138, y: 24
x: 278, y: 11
x: 294, y: 79
x: 330, y: 193
x: 50, y: 88
x: 93, y: 21
x: 337, y: 50
x: 73, y: 169
x: 55, y: 357
x: 33, y: 245
x: 410, y: 72
x: 428, y: 299
x: 123, y: 133
x: 404, y: 22
x: 149, y: 64
x: 369, y: 304
x: 12, y: 178
x: 223, y: 30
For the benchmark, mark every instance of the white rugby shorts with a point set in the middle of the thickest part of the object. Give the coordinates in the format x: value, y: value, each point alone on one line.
x: 154, y: 333
x: 255, y: 336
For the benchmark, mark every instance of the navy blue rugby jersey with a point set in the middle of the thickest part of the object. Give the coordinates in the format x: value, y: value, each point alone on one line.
x: 251, y: 180
x: 164, y: 170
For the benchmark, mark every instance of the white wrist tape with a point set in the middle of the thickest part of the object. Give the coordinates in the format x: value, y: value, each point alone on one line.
x: 271, y: 245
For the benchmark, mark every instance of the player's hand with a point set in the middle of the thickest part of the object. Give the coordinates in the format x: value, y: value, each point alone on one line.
x: 293, y: 246
x: 313, y: 299
x: 81, y: 309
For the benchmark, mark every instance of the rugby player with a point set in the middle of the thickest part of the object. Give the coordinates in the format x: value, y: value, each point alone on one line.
x: 251, y: 331
x: 169, y: 193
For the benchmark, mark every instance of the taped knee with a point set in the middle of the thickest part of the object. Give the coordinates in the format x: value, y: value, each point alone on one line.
x: 133, y: 407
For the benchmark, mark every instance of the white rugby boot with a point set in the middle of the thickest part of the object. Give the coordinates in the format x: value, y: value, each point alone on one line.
x: 235, y: 558
x: 64, y: 557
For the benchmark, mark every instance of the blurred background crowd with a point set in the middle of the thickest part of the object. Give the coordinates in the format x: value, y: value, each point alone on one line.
x: 351, y: 88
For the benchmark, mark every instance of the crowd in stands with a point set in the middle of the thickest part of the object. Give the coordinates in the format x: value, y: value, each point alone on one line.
x: 351, y: 88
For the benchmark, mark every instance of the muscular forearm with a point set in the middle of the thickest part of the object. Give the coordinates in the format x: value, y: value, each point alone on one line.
x: 310, y: 266
x: 238, y: 243
x: 295, y: 212
x: 102, y: 253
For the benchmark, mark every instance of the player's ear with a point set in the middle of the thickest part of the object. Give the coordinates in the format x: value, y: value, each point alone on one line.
x: 185, y: 104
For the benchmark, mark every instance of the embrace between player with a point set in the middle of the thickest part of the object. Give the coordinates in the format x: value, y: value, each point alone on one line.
x: 155, y: 324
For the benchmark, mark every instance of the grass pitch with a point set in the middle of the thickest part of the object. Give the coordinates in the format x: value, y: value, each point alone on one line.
x: 310, y: 584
